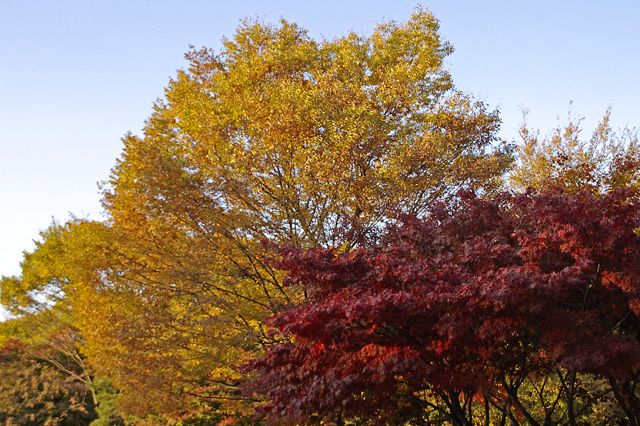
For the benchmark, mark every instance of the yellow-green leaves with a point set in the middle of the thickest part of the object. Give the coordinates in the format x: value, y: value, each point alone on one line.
x: 566, y: 160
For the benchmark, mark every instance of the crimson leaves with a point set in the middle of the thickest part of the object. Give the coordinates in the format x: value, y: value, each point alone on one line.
x: 461, y: 308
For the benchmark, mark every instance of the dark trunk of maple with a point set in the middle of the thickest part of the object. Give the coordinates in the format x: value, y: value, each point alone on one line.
x: 487, y: 410
x: 512, y: 391
x: 569, y: 388
x: 628, y: 400
x: 456, y: 412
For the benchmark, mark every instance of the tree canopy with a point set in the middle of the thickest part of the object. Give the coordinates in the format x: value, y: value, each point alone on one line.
x: 277, y: 137
x: 459, y: 316
x: 564, y: 159
x: 33, y: 392
x: 315, y: 229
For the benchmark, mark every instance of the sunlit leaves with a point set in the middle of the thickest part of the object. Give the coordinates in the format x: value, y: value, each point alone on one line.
x: 276, y: 137
x: 565, y: 159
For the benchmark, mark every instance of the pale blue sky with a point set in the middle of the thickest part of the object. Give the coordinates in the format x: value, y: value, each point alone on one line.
x: 76, y: 75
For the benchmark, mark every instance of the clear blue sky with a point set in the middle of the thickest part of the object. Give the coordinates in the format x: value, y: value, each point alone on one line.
x: 76, y: 75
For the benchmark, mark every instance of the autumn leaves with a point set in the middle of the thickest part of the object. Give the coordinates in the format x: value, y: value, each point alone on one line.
x: 516, y: 308
x: 280, y: 142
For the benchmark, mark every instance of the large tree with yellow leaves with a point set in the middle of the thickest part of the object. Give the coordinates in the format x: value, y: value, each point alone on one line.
x: 279, y: 138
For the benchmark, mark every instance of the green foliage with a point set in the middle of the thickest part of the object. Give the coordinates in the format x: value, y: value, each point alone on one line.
x: 107, y: 411
x: 41, y: 282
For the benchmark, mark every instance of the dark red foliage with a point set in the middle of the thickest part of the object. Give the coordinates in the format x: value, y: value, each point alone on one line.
x: 477, y: 292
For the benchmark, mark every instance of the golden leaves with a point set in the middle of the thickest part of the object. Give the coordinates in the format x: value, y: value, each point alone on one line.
x: 565, y: 160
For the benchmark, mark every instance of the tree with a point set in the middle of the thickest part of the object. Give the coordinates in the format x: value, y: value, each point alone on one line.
x: 563, y: 159
x: 277, y: 137
x: 32, y: 392
x: 42, y: 300
x: 458, y: 317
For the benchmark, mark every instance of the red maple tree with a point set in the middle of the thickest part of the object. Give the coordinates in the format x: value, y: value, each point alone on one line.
x: 450, y: 315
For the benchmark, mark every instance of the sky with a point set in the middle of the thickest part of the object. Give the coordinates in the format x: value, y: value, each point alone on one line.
x: 75, y: 76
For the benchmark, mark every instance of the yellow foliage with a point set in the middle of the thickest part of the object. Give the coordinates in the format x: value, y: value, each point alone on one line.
x: 563, y: 159
x: 277, y: 137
